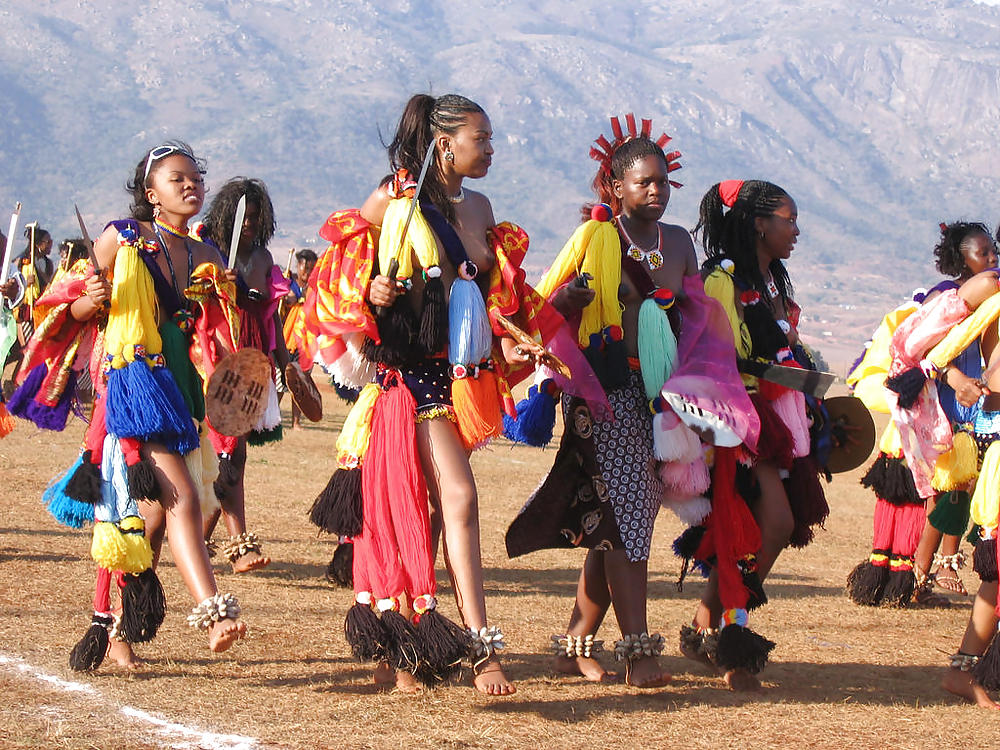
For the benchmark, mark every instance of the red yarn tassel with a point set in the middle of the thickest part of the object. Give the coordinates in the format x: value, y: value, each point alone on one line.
x: 395, y: 540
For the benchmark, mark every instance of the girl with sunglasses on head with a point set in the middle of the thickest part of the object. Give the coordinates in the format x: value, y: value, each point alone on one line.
x: 145, y: 458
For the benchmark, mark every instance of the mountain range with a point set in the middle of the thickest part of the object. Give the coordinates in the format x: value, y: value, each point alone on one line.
x: 880, y: 118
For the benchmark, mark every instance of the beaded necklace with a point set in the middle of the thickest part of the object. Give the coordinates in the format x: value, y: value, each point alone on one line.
x: 652, y: 257
x: 182, y: 300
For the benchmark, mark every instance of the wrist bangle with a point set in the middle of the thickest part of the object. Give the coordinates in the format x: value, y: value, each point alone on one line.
x: 944, y: 375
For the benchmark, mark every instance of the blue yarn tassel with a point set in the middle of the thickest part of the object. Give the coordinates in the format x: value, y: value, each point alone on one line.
x: 536, y: 416
x: 470, y: 337
x: 64, y: 509
x: 145, y: 403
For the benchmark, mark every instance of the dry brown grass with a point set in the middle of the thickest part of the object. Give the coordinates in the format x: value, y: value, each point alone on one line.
x: 842, y: 676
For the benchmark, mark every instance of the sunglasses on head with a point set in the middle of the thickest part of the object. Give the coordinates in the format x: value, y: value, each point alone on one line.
x: 159, y: 153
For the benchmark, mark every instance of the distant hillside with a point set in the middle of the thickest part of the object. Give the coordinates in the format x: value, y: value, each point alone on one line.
x: 880, y: 118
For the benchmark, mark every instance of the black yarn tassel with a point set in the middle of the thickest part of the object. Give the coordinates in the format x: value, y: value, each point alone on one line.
x: 899, y: 588
x: 433, y: 334
x: 85, y: 484
x: 142, y: 481
x: 341, y: 568
x: 337, y: 509
x: 143, y: 607
x: 755, y: 587
x: 907, y: 385
x: 403, y: 650
x: 741, y: 648
x: 397, y: 329
x: 987, y: 669
x: 364, y: 633
x: 88, y: 654
x: 866, y: 583
x: 444, y: 645
x: 891, y: 480
x: 984, y: 560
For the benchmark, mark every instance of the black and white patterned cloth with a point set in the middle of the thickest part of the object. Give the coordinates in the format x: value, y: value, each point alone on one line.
x: 624, y: 452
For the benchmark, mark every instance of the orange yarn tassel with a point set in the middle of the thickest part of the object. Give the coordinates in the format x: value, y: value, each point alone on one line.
x: 477, y: 409
x: 6, y: 421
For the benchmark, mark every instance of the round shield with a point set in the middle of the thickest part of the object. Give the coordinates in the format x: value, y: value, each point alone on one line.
x: 853, y: 433
x: 304, y: 391
x: 237, y: 392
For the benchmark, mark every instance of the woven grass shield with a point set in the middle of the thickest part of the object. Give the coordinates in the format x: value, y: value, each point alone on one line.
x: 237, y: 392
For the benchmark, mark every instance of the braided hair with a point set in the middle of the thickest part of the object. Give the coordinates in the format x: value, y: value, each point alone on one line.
x: 622, y: 160
x: 424, y: 117
x: 948, y: 258
x: 731, y: 234
x: 219, y: 219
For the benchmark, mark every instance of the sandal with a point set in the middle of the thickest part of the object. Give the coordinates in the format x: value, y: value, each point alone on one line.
x: 950, y: 582
x: 923, y: 592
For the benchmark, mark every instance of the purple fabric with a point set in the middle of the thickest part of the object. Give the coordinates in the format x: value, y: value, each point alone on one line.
x: 53, y: 417
x: 20, y: 399
x: 706, y: 375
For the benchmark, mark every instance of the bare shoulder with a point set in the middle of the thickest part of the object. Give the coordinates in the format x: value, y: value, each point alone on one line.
x: 479, y: 205
x: 262, y: 258
x: 106, y: 246
x: 204, y: 253
x: 373, y: 209
x: 677, y: 241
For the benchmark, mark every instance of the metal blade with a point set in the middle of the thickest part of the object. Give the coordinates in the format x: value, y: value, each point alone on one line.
x: 10, y: 243
x: 416, y: 194
x: 234, y: 241
x: 812, y: 382
x: 87, y: 241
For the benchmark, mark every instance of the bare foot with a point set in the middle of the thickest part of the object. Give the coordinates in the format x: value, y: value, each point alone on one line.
x: 587, y: 667
x: 741, y: 681
x: 224, y: 633
x: 406, y: 682
x: 250, y: 561
x: 122, y: 654
x: 489, y: 679
x: 646, y: 673
x: 964, y: 685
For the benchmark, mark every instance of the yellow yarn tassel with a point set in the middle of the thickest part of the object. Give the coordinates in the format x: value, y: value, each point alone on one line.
x: 868, y: 378
x: 203, y: 466
x: 133, y: 316
x: 352, y: 444
x: 594, y: 248
x: 108, y: 547
x: 957, y: 467
x: 419, y: 241
x: 138, y: 554
x: 890, y: 444
x: 986, y: 499
x: 477, y: 409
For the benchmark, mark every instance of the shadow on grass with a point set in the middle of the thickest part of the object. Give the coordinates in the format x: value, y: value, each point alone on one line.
x: 784, y: 683
x: 562, y: 582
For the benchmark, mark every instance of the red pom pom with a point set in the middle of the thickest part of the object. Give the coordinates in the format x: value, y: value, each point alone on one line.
x: 750, y: 297
x: 664, y: 298
x: 601, y: 212
x: 615, y: 333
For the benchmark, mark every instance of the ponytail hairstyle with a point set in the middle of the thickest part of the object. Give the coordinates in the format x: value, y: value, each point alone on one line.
x: 423, y: 119
x: 948, y: 258
x: 219, y: 219
x: 141, y: 209
x: 731, y: 234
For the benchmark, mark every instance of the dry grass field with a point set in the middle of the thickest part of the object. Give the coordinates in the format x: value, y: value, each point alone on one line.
x: 841, y: 676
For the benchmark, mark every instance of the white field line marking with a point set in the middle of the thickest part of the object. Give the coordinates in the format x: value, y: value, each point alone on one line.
x: 192, y: 737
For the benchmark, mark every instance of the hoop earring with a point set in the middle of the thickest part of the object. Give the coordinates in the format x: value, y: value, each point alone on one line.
x: 762, y: 236
x: 449, y: 156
